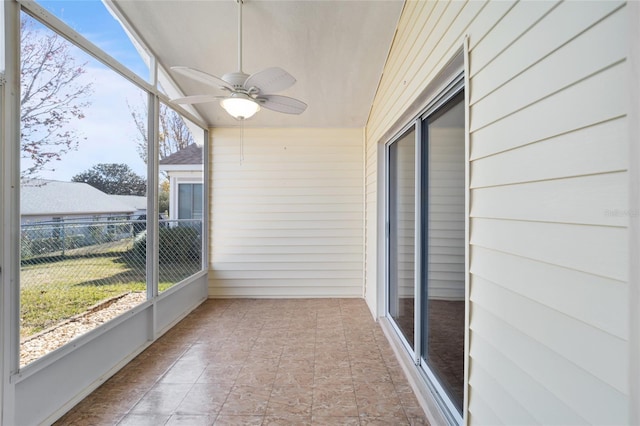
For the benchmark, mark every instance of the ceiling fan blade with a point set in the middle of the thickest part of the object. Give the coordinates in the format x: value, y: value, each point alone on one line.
x: 270, y: 80
x: 196, y: 99
x: 203, y: 77
x: 282, y: 104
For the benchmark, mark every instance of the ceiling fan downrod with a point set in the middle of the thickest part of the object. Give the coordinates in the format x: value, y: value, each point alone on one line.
x: 246, y: 93
x: 236, y: 79
x: 240, y: 35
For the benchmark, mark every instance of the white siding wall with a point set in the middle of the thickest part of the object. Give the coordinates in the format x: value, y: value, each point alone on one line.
x: 405, y: 211
x: 446, y: 195
x: 287, y: 221
x: 549, y: 198
x: 428, y: 36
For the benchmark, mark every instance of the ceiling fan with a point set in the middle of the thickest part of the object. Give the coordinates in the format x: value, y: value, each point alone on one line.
x: 246, y: 93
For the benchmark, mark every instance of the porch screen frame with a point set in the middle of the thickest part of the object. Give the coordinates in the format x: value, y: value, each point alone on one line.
x: 157, y: 313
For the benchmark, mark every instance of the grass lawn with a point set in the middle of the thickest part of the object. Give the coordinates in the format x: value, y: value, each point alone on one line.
x: 56, y: 289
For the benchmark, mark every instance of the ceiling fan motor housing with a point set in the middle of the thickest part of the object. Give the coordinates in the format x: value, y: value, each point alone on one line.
x: 236, y: 79
x: 247, y: 93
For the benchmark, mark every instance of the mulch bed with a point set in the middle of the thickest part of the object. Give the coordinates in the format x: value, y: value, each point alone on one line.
x: 33, y: 347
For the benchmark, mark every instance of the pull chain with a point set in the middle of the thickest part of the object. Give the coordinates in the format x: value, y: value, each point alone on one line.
x: 241, y: 141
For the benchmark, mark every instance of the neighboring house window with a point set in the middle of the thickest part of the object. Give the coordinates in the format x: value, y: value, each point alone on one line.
x: 190, y: 201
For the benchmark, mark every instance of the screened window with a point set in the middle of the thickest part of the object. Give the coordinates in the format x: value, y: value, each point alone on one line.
x: 181, y: 177
x: 100, y: 25
x: 84, y: 178
x: 72, y: 107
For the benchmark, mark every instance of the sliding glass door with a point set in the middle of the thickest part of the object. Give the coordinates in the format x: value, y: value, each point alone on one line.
x: 426, y: 244
x: 443, y: 250
x: 401, y: 189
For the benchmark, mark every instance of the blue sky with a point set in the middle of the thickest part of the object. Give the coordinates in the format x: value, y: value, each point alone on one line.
x: 91, y: 19
x: 108, y: 128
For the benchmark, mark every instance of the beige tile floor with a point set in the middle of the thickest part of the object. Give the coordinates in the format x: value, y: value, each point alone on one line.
x: 260, y: 362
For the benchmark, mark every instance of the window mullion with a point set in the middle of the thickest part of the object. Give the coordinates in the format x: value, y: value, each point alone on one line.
x: 152, y: 197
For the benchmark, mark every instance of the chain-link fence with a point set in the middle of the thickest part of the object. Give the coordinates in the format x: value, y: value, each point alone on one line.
x: 75, y: 268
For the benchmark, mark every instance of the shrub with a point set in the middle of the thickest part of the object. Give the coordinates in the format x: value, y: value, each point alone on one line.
x: 75, y: 241
x: 25, y: 246
x: 41, y: 246
x: 45, y: 245
x: 176, y: 245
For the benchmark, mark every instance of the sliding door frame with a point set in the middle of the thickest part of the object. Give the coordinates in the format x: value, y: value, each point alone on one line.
x: 415, y: 126
x: 447, y: 92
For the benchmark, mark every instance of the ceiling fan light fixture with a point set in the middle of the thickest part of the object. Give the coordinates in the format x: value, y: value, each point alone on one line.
x: 240, y: 106
x: 243, y: 102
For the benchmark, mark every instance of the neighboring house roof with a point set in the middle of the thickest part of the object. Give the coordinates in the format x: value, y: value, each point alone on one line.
x: 54, y: 198
x: 137, y: 202
x: 192, y: 154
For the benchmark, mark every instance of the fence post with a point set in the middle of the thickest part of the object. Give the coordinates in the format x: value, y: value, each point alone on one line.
x: 64, y: 238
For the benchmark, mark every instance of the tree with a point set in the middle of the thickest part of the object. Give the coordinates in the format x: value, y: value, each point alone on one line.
x: 52, y: 96
x: 174, y: 134
x: 117, y: 179
x: 163, y: 197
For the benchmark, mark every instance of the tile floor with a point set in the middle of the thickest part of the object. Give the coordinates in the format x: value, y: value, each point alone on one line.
x: 260, y: 362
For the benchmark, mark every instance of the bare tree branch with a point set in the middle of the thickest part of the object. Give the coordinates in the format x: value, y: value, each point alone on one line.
x: 174, y: 134
x: 52, y: 96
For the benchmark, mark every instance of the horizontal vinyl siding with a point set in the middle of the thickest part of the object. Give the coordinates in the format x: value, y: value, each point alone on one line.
x: 577, y: 200
x: 402, y: 229
x: 372, y: 199
x: 548, y: 197
x: 602, y: 149
x: 286, y: 221
x: 549, y: 317
x: 542, y: 119
x: 428, y: 35
x: 446, y: 189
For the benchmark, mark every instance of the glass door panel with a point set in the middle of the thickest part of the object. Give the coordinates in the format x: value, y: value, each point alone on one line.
x: 401, y: 216
x: 443, y: 251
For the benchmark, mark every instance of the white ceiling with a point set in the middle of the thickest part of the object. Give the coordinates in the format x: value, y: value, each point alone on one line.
x: 336, y: 49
